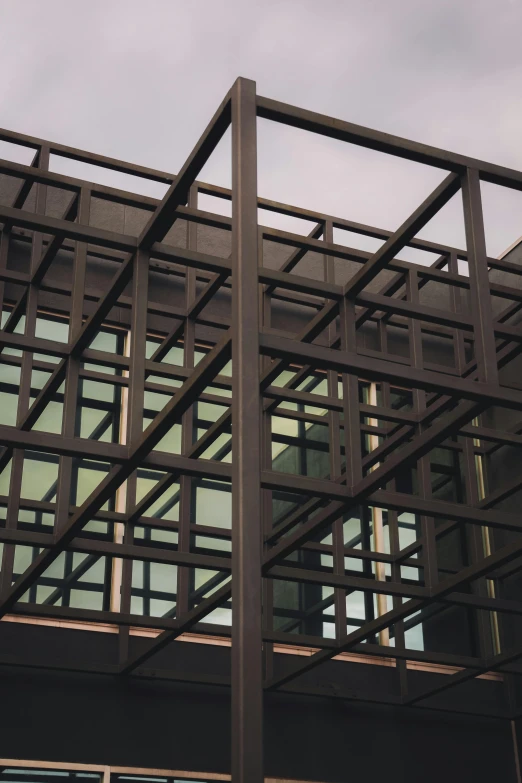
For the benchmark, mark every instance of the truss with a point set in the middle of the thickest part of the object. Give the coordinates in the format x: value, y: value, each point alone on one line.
x: 453, y: 406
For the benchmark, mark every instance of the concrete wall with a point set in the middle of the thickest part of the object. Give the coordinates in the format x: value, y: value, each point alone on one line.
x: 146, y: 723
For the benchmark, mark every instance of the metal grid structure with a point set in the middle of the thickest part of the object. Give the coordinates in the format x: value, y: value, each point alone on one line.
x: 385, y: 415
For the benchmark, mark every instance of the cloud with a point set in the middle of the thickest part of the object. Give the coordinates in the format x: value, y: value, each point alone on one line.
x: 140, y: 80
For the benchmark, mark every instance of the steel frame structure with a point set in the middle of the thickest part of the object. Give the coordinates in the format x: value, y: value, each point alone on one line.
x: 447, y: 402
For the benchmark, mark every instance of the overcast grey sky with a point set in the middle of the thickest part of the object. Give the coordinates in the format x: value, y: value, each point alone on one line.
x: 139, y: 80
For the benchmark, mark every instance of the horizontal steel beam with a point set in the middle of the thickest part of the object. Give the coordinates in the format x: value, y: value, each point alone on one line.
x: 384, y: 142
x: 383, y: 369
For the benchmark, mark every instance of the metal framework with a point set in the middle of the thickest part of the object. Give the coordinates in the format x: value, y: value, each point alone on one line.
x: 387, y: 415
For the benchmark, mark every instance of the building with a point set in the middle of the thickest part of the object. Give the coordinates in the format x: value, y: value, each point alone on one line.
x: 361, y: 617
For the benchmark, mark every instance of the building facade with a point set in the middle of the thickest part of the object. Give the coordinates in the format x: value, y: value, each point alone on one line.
x: 259, y: 489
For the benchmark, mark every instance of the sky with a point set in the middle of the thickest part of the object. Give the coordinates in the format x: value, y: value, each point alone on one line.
x: 140, y: 80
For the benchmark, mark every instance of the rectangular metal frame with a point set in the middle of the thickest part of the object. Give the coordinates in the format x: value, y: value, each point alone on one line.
x: 447, y: 401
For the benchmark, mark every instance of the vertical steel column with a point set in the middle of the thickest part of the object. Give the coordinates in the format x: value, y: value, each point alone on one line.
x: 334, y: 445
x: 480, y: 304
x: 351, y: 413
x: 485, y: 356
x: 265, y: 315
x: 394, y: 537
x: 187, y: 422
x: 376, y: 515
x: 351, y: 419
x: 72, y: 381
x: 138, y: 340
x: 70, y: 402
x: 474, y: 533
x: 247, y: 680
